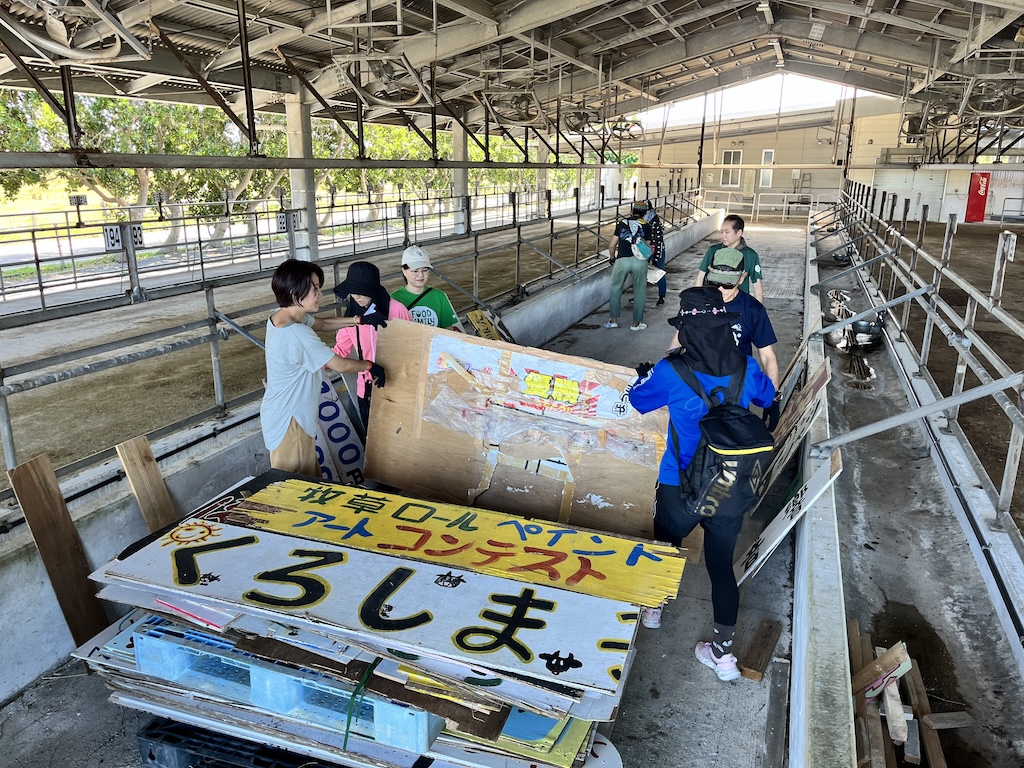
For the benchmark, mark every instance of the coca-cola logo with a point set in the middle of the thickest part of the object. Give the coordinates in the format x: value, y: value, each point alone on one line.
x: 983, y: 185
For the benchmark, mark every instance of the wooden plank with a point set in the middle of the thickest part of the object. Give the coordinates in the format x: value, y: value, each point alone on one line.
x: 860, y: 718
x: 761, y: 649
x: 147, y: 483
x: 945, y: 720
x: 912, y: 749
x: 524, y: 431
x: 882, y: 668
x: 876, y: 736
x: 60, y: 548
x: 894, y: 718
x: 919, y: 701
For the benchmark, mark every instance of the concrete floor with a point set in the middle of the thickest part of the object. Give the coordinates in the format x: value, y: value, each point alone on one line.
x: 907, y: 575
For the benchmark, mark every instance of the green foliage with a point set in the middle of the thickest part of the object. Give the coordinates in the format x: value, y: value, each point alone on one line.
x: 133, y: 126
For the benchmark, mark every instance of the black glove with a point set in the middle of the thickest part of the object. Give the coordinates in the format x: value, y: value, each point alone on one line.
x: 642, y: 369
x: 771, y: 416
x: 377, y: 373
x: 375, y: 319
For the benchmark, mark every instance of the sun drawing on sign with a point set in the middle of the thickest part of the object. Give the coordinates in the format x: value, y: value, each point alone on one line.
x: 191, y: 532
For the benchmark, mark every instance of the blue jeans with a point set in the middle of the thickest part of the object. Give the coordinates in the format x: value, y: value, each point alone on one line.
x: 628, y: 266
x: 659, y: 262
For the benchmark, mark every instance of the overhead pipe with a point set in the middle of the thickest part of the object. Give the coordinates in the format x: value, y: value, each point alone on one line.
x: 37, y: 41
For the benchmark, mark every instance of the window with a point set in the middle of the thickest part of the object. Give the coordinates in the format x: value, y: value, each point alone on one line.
x: 767, y: 158
x: 731, y: 176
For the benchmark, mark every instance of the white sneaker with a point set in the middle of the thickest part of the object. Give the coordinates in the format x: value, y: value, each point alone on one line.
x: 651, y: 617
x: 640, y: 327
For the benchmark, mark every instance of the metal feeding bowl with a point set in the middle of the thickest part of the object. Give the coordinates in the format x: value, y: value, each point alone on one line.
x: 867, y: 334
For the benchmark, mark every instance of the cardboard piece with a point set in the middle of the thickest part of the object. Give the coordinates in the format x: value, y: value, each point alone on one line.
x: 513, y: 429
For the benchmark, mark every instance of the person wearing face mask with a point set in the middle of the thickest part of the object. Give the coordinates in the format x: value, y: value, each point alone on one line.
x: 732, y: 237
x: 367, y: 299
x: 429, y: 306
x: 295, y: 356
x: 752, y: 329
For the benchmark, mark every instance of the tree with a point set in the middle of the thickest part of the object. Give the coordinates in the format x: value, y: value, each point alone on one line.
x: 20, y: 114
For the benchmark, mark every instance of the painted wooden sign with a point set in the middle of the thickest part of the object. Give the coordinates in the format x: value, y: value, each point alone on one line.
x: 750, y: 562
x: 797, y: 405
x: 544, y: 633
x: 536, y: 552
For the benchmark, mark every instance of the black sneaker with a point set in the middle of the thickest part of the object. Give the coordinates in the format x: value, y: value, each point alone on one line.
x: 660, y: 302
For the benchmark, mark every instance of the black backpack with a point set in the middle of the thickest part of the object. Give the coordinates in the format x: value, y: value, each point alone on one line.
x: 729, y: 468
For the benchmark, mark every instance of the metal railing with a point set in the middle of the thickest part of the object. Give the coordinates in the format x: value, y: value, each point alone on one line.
x: 773, y: 204
x: 947, y: 356
x: 1016, y: 206
x: 118, y: 256
x: 907, y: 276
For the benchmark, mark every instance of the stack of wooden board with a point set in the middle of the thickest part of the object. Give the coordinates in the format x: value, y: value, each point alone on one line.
x: 369, y: 628
x: 882, y: 679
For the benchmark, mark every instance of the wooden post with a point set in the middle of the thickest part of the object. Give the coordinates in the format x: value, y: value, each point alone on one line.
x: 147, y: 483
x: 60, y: 548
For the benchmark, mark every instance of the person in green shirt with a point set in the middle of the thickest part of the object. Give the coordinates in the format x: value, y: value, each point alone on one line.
x: 427, y: 305
x: 732, y: 237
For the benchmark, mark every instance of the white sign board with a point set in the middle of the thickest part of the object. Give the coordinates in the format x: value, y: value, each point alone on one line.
x: 750, y: 562
x: 418, y: 608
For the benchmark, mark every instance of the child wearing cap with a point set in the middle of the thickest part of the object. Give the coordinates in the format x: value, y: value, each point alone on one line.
x: 367, y: 298
x: 732, y: 237
x: 295, y: 356
x: 429, y: 306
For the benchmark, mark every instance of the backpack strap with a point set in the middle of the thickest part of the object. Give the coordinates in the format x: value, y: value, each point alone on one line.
x: 419, y: 298
x: 730, y: 394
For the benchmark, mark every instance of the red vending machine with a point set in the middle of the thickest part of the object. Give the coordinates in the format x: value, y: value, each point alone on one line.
x: 977, y: 196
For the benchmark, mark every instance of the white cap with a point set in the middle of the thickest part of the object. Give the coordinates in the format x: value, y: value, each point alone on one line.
x: 414, y: 257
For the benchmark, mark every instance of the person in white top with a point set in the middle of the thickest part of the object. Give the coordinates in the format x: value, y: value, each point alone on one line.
x: 295, y: 356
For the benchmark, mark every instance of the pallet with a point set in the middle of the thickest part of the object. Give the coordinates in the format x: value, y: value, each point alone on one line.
x: 164, y: 743
x: 211, y: 664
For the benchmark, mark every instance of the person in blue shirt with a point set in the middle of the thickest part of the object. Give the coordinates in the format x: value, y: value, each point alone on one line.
x: 704, y: 334
x: 752, y: 330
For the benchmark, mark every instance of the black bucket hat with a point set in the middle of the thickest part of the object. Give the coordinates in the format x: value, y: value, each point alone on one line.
x: 702, y: 306
x: 363, y: 279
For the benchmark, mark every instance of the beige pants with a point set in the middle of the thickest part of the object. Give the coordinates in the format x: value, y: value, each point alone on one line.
x: 296, y: 453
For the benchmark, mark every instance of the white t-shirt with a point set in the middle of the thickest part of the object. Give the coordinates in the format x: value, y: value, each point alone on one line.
x: 295, y: 355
